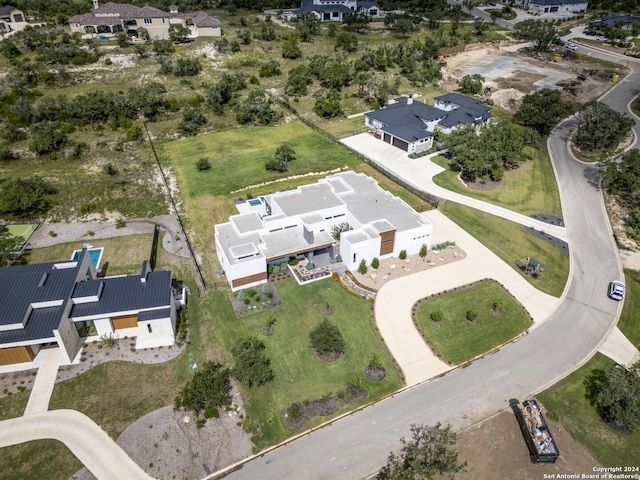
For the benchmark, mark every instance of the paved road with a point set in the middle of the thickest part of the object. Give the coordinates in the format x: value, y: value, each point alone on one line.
x: 355, y: 446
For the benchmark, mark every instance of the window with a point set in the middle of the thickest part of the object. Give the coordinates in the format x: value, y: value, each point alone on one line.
x: 148, y: 20
x: 354, y: 257
x: 149, y: 328
x: 86, y: 328
x: 164, y: 20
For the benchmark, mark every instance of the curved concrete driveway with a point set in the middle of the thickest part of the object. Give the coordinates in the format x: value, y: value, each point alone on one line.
x: 419, y: 173
x: 86, y: 440
x: 395, y: 299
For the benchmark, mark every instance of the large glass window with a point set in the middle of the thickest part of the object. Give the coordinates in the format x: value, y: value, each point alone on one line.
x: 86, y: 328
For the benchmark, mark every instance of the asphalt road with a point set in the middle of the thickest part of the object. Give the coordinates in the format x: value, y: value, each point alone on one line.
x: 356, y: 446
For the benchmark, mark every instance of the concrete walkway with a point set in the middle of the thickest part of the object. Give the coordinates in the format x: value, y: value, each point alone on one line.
x: 619, y: 349
x: 419, y: 173
x: 395, y: 299
x: 48, y: 361
x: 86, y: 440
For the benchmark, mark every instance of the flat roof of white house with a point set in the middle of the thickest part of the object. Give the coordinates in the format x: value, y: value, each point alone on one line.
x: 290, y: 241
x: 306, y: 199
x: 247, y: 222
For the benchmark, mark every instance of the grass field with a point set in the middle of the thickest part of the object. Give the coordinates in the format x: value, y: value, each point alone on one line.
x: 629, y: 323
x: 299, y: 374
x: 511, y: 242
x: 529, y: 189
x: 21, y: 232
x: 567, y: 403
x: 456, y: 339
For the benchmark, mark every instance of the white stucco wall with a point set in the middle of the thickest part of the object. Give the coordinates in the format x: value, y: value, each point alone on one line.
x: 103, y: 326
x: 365, y: 249
x: 412, y: 240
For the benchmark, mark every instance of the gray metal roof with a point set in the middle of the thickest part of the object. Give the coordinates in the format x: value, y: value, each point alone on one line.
x: 407, y: 132
x: 154, y: 314
x: 308, y: 6
x: 414, y: 114
x: 121, y: 294
x: 7, y: 9
x: 40, y: 326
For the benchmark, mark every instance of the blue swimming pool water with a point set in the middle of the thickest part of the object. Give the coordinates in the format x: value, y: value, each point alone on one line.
x: 95, y: 254
x: 255, y: 202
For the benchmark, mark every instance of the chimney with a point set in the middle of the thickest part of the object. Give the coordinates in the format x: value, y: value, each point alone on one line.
x: 410, y: 99
x: 95, y: 4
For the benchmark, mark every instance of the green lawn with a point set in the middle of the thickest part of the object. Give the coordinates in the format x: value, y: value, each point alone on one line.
x: 299, y: 374
x: 629, y: 322
x: 529, y: 189
x: 567, y: 403
x: 511, y: 242
x: 456, y: 339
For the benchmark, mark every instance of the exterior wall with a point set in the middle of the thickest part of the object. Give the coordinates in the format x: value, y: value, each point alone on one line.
x: 157, y: 29
x: 367, y: 249
x: 103, y: 326
x: 68, y: 340
x: 249, y: 281
x: 205, y: 31
x: 246, y: 268
x: 76, y: 28
x: 447, y: 107
x: 370, y: 122
x: 412, y: 240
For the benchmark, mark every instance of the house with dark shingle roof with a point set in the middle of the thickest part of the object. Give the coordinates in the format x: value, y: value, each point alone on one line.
x: 332, y: 10
x: 112, y: 18
x: 9, y: 17
x: 64, y: 304
x: 409, y: 124
x: 554, y: 6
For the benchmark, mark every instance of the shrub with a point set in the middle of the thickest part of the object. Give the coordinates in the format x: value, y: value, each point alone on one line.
x: 362, y: 268
x: 252, y: 365
x: 375, y: 263
x: 91, y: 233
x: 207, y: 390
x: 52, y: 233
x: 437, y: 316
x: 471, y: 315
x: 423, y: 250
x: 403, y: 254
x: 120, y: 223
x: 326, y: 337
x: 203, y: 164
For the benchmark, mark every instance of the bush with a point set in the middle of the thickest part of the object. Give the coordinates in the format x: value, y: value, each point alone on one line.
x: 362, y: 268
x: 471, y: 315
x: 203, y: 164
x: 120, y: 223
x: 423, y: 251
x: 436, y: 316
x: 326, y: 337
x: 403, y: 254
x: 208, y: 390
x: 187, y: 67
x: 252, y: 365
x: 375, y: 263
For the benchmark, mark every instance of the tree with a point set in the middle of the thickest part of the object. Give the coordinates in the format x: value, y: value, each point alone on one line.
x: 268, y: 29
x: 541, y: 34
x: 178, y: 33
x: 291, y: 49
x: 281, y: 158
x: 543, y: 110
x: 298, y: 80
x: 601, y: 127
x: 256, y: 108
x: 356, y: 21
x: 471, y: 84
x: 616, y: 395
x: 203, y: 164
x: 338, y: 228
x: 270, y: 68
x: 25, y: 197
x: 7, y: 244
x: 141, y: 50
x: 480, y: 26
x: 208, y: 390
x: 326, y: 337
x: 426, y: 454
x: 328, y: 105
x: 402, y: 255
x: 46, y: 137
x: 347, y: 42
x: 163, y: 47
x: 123, y: 40
x: 469, y: 5
x: 192, y: 120
x: 244, y: 34
x: 187, y: 67
x: 403, y: 26
x: 307, y: 25
x: 9, y: 49
x: 621, y: 177
x: 252, y: 366
x: 362, y: 267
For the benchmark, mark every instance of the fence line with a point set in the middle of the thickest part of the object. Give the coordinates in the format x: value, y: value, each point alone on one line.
x: 175, y: 209
x: 432, y: 200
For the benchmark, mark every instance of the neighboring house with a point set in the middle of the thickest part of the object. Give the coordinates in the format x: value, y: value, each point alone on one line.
x: 554, y: 6
x: 332, y: 10
x: 113, y: 18
x: 10, y: 17
x: 298, y: 223
x: 409, y: 124
x: 623, y: 21
x: 63, y: 304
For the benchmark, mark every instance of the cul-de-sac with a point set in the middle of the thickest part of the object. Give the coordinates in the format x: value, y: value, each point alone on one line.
x: 319, y: 239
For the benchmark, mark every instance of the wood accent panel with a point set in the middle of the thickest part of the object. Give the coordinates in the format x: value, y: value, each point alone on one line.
x: 11, y: 355
x: 386, y: 248
x: 388, y: 240
x: 238, y: 282
x: 125, y: 321
x: 389, y: 236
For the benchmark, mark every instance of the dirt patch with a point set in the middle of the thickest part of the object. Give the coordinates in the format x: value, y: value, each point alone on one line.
x: 483, y: 185
x: 495, y: 449
x: 375, y: 374
x: 168, y: 445
x: 263, y: 299
x: 328, y: 357
x: 522, y: 81
x: 300, y: 413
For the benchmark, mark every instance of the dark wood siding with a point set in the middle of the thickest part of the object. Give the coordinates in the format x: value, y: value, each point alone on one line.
x: 238, y: 282
x: 387, y: 242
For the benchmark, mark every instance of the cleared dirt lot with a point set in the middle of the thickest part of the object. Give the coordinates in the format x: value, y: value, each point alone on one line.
x: 512, y: 74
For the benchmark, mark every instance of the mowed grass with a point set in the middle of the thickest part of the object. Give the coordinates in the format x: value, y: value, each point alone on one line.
x: 38, y: 460
x: 511, y: 242
x: 299, y: 374
x: 529, y: 189
x: 566, y: 402
x: 456, y: 339
x: 124, y: 255
x: 629, y: 322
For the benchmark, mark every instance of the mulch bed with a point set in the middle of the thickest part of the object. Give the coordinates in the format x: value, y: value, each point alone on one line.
x: 240, y: 308
x: 328, y: 356
x: 323, y: 407
x: 375, y: 374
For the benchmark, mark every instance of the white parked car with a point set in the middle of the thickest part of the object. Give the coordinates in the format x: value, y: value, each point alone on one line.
x: 616, y: 290
x: 571, y: 46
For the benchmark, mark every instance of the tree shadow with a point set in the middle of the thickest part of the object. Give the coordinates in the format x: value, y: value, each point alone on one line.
x: 593, y: 177
x: 594, y: 384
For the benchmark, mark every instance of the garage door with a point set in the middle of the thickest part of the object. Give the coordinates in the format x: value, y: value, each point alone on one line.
x: 554, y: 9
x: 11, y: 355
x: 400, y: 144
x: 125, y: 321
x: 387, y: 138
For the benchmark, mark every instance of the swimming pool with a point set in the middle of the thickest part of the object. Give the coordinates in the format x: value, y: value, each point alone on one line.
x: 255, y: 202
x: 95, y: 254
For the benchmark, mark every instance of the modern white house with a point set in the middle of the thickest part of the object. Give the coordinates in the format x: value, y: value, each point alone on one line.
x: 554, y: 6
x: 63, y: 304
x: 298, y: 223
x: 113, y: 18
x: 409, y: 124
x: 332, y: 10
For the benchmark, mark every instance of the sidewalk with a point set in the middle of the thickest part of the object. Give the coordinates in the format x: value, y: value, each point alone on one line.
x: 49, y: 362
x: 619, y: 349
x: 395, y: 299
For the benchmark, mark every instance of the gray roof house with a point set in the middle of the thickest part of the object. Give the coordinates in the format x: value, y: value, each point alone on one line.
x: 554, y: 6
x: 409, y: 124
x: 332, y: 10
x: 9, y: 17
x: 62, y: 304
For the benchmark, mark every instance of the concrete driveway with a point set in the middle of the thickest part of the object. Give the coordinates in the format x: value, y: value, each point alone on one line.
x: 395, y: 299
